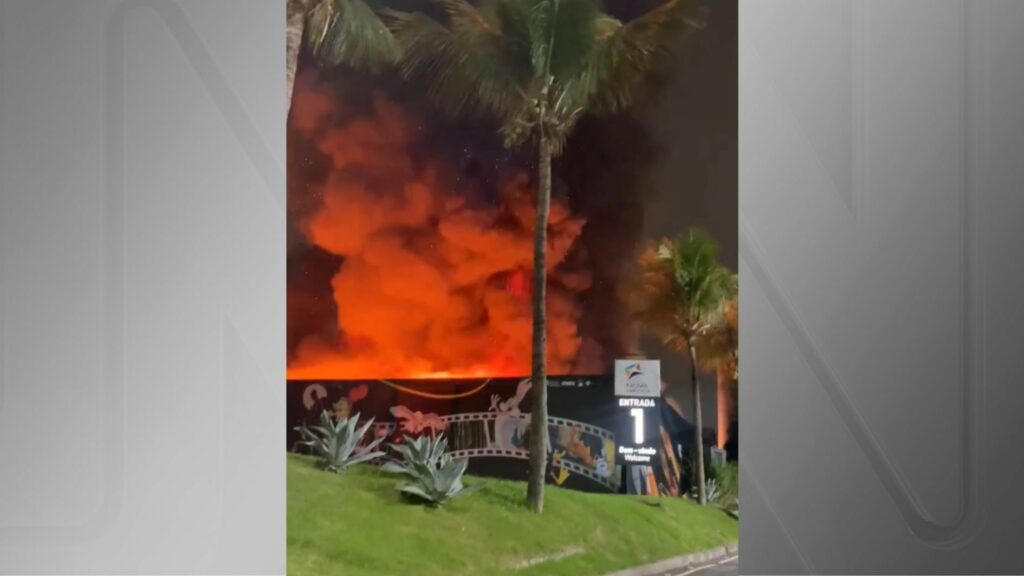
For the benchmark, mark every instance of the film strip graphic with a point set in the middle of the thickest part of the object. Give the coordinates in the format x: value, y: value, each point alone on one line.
x: 388, y: 429
x: 470, y: 417
x: 522, y: 454
x: 525, y: 455
x: 587, y: 472
x: 583, y: 426
x: 491, y: 416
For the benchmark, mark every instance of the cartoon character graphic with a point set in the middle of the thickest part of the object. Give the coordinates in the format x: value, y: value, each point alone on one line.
x: 609, y: 450
x: 313, y: 394
x: 562, y: 473
x: 416, y: 422
x: 509, y: 421
x: 576, y: 448
x: 358, y: 393
x: 343, y: 407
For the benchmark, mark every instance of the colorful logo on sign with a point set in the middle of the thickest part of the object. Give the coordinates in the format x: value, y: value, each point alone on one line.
x: 633, y: 370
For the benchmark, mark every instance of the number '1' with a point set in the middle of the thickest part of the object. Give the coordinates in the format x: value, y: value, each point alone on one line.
x: 638, y: 425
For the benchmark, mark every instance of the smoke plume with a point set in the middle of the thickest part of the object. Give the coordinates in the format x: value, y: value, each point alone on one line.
x: 431, y: 273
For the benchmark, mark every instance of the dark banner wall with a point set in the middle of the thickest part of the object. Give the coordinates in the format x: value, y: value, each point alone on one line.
x: 487, y: 421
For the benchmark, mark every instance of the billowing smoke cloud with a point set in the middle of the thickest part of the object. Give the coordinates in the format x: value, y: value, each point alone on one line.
x: 435, y: 275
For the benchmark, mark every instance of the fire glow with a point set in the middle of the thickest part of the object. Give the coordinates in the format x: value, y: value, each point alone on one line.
x: 431, y: 284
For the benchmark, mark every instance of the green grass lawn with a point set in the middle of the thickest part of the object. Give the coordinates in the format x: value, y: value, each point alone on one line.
x: 356, y: 523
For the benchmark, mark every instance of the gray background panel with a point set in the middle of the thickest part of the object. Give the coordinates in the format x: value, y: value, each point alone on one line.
x: 879, y: 196
x: 142, y: 283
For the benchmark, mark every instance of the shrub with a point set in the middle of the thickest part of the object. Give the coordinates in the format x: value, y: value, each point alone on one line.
x: 721, y: 483
x: 728, y: 478
x: 336, y: 443
x: 436, y: 476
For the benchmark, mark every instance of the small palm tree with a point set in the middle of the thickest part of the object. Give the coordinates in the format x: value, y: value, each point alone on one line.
x: 336, y: 31
x: 681, y: 297
x: 718, y: 351
x: 536, y: 66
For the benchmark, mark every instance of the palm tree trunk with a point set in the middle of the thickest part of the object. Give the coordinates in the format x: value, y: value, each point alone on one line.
x: 698, y: 428
x: 539, y: 412
x: 296, y: 25
x: 723, y: 404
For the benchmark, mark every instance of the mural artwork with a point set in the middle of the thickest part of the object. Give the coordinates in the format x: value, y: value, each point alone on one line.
x: 486, y: 421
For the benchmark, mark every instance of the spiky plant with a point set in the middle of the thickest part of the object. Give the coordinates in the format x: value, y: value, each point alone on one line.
x: 711, y: 490
x: 422, y: 451
x: 336, y: 31
x: 680, y: 296
x: 436, y: 475
x: 337, y: 442
x: 535, y: 66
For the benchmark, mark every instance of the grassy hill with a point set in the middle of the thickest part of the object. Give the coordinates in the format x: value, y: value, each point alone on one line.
x: 356, y: 523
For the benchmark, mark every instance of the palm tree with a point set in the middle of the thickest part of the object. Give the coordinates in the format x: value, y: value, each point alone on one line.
x: 681, y: 297
x: 336, y: 31
x: 718, y: 351
x: 536, y: 66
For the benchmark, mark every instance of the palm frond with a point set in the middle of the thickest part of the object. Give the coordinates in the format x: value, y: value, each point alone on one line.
x: 535, y: 65
x: 350, y: 32
x: 574, y: 33
x: 704, y: 283
x: 474, y: 62
x: 625, y: 53
x: 717, y: 346
x: 682, y: 292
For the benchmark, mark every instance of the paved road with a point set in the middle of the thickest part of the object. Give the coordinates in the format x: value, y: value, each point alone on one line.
x: 727, y: 567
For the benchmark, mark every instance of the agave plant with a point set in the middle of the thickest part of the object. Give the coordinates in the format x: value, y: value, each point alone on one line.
x: 712, y: 492
x: 336, y: 443
x: 436, y: 475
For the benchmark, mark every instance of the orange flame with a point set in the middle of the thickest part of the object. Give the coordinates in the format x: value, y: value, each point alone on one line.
x: 430, y: 285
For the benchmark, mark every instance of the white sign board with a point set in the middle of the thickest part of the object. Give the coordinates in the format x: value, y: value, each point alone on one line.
x: 638, y: 378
